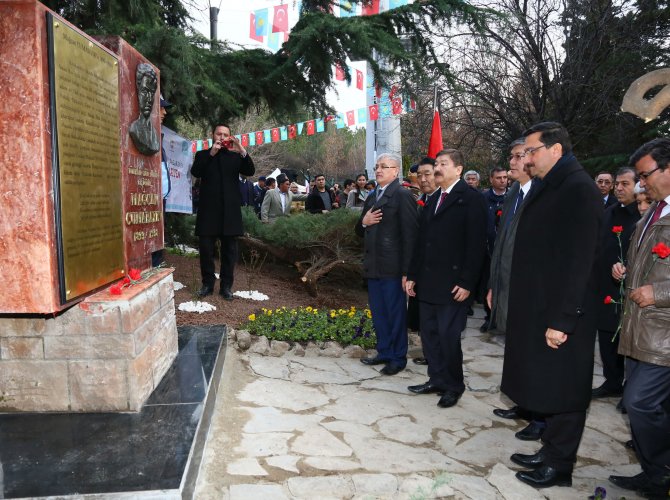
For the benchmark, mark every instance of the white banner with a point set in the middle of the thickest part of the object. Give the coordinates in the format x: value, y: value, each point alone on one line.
x: 179, y: 159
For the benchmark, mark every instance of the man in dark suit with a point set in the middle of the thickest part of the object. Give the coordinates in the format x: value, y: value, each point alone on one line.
x: 604, y: 182
x: 389, y: 225
x: 219, y: 214
x: 446, y: 264
x: 618, y: 226
x: 548, y: 364
x: 320, y: 199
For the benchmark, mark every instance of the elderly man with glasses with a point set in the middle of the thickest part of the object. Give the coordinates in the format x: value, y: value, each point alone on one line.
x: 389, y: 225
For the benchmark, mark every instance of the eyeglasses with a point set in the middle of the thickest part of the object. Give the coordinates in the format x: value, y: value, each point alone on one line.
x: 377, y: 167
x: 531, y: 151
x: 516, y: 156
x: 644, y: 175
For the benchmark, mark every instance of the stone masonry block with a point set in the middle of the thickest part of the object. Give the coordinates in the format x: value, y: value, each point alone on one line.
x: 104, y: 321
x: 89, y: 347
x: 146, y: 332
x: 164, y: 350
x: 21, y: 327
x: 98, y: 385
x: 166, y: 287
x: 72, y: 322
x: 21, y: 348
x: 33, y: 386
x: 140, y: 379
x: 139, y: 309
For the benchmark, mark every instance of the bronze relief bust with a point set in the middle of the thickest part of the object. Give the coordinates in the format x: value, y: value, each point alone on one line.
x: 142, y: 131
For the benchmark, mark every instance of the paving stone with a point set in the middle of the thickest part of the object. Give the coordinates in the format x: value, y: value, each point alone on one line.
x: 304, y: 374
x: 447, y: 441
x: 268, y: 419
x: 331, y: 350
x: 476, y: 488
x: 417, y: 486
x: 404, y: 430
x: 298, y: 350
x: 354, y: 351
x: 354, y: 368
x: 350, y: 428
x: 362, y: 407
x: 509, y: 486
x: 285, y: 462
x: 604, y: 417
x: 375, y: 484
x: 390, y: 384
x: 261, y: 346
x: 263, y: 445
x: 257, y: 492
x: 321, y: 487
x: 319, y: 442
x: 270, y: 367
x: 246, y: 467
x: 599, y: 446
x: 486, y: 365
x: 282, y: 394
x: 488, y: 447
x: 279, y: 348
x: 476, y: 347
x: 478, y: 383
x: 332, y: 463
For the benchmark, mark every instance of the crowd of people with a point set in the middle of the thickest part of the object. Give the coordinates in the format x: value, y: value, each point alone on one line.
x: 555, y: 256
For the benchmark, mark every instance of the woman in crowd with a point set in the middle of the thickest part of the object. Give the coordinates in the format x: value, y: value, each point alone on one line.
x: 356, y: 198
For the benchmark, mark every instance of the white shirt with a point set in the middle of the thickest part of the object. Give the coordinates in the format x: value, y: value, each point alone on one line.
x: 282, y: 197
x: 664, y: 212
x: 448, y: 190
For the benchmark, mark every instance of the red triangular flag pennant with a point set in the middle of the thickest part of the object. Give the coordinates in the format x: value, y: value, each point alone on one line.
x: 245, y: 140
x: 339, y: 72
x: 205, y: 144
x: 373, y: 111
x: 435, y: 145
x: 292, y: 132
x: 393, y: 92
x: 351, y: 119
x: 280, y: 20
x: 259, y: 138
x: 359, y: 79
x: 275, y: 135
x: 378, y: 91
x: 397, y: 106
x: 310, y: 127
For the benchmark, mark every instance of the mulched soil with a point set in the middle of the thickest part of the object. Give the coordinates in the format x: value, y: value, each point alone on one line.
x: 277, y: 280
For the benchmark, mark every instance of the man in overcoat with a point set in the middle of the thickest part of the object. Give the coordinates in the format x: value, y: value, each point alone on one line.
x: 389, y: 225
x: 446, y: 265
x: 646, y: 327
x: 219, y: 214
x: 277, y: 202
x: 548, y: 364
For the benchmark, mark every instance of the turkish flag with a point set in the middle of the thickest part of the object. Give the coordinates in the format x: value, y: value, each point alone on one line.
x: 245, y: 140
x: 252, y: 29
x: 359, y: 79
x: 374, y: 112
x: 351, y: 119
x: 435, y: 144
x: 280, y: 21
x: 275, y: 135
x: 412, y: 104
x: 310, y: 127
x: 371, y: 9
x: 393, y: 92
x: 339, y: 72
x: 397, y: 106
x: 259, y: 137
x: 194, y: 146
x: 292, y: 132
x: 378, y: 91
x: 205, y: 144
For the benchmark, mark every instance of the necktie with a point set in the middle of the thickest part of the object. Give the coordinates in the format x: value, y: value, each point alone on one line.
x: 380, y: 192
x: 519, y: 200
x: 656, y: 215
x: 439, y: 202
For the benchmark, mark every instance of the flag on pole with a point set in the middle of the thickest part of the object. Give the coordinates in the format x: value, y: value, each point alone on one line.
x: 259, y: 137
x: 252, y: 28
x: 280, y: 21
x: 374, y: 112
x: 351, y: 118
x: 347, y: 9
x: 262, y: 20
x: 245, y: 140
x: 359, y: 79
x: 274, y: 41
x: 435, y: 145
x: 362, y: 115
x: 397, y: 105
x: 371, y: 9
x: 311, y: 128
x: 320, y: 125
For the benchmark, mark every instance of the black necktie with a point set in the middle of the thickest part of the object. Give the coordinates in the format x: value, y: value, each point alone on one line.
x: 519, y: 200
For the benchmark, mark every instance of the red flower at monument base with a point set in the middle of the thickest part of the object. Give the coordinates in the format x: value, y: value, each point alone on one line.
x: 116, y: 289
x: 661, y: 249
x: 617, y: 229
x: 608, y: 299
x: 134, y: 274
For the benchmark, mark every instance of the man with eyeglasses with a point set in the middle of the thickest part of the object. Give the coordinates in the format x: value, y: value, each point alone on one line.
x: 646, y: 327
x: 604, y: 182
x: 389, y: 225
x: 548, y: 363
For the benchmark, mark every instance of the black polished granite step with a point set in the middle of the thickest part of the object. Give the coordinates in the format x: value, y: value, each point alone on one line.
x: 156, y: 451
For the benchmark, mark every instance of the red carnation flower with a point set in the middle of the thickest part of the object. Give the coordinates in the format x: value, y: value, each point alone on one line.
x: 608, y: 300
x: 661, y: 249
x: 498, y: 213
x: 420, y: 203
x: 617, y: 229
x: 135, y: 274
x: 126, y: 280
x: 115, y: 289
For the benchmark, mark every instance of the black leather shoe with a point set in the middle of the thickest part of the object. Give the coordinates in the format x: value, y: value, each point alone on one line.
x: 391, y: 369
x: 485, y: 327
x: 511, y: 413
x: 545, y: 477
x: 426, y: 388
x: 605, y: 392
x: 632, y: 483
x: 532, y: 432
x: 528, y: 461
x: 470, y: 312
x: 226, y: 294
x: 205, y: 291
x: 420, y: 361
x: 373, y: 361
x: 449, y: 399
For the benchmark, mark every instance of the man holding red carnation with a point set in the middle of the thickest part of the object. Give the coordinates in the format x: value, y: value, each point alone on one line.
x: 645, y: 335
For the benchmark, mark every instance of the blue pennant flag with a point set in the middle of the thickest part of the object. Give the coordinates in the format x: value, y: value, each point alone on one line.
x: 267, y: 136
x: 320, y: 125
x: 262, y: 22
x: 274, y: 41
x: 300, y: 126
x: 283, y: 131
x: 362, y: 115
x: 252, y: 138
x: 341, y: 123
x: 396, y: 3
x: 347, y: 9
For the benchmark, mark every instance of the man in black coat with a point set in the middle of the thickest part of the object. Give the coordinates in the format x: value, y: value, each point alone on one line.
x: 618, y: 226
x: 446, y: 265
x: 320, y: 200
x: 548, y: 364
x: 219, y: 214
x: 389, y: 225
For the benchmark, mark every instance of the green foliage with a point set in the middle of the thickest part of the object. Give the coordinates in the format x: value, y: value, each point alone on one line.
x: 180, y: 230
x: 306, y: 230
x: 305, y: 324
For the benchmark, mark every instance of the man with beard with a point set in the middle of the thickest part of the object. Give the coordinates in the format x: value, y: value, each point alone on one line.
x: 548, y: 364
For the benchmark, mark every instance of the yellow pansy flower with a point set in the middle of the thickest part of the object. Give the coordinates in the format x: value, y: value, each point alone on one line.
x: 252, y: 317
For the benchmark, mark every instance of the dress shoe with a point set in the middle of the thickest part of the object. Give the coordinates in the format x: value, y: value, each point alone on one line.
x: 485, y: 327
x: 629, y: 444
x: 605, y: 392
x: 528, y: 461
x: 226, y: 294
x: 449, y: 399
x: 545, y: 477
x: 620, y: 407
x: 470, y: 311
x: 205, y: 291
x: 532, y: 432
x: 391, y: 369
x: 420, y: 361
x: 373, y: 361
x: 426, y: 388
x: 512, y: 413
x: 632, y: 483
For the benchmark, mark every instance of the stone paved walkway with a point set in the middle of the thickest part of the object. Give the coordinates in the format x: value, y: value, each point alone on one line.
x: 317, y: 427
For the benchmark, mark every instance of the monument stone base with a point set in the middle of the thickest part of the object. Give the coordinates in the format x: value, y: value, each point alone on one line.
x: 105, y: 354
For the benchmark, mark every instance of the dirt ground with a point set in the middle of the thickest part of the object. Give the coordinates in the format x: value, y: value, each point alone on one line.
x: 279, y: 281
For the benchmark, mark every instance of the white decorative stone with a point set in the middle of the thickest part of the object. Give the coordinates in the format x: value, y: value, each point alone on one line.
x: 246, y: 467
x: 331, y: 463
x: 268, y: 419
x: 285, y: 462
x: 319, y: 442
x: 261, y: 346
x: 282, y: 394
x: 321, y: 487
x: 263, y: 445
x: 276, y: 368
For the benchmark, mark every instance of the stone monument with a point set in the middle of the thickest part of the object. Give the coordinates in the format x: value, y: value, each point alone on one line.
x: 80, y: 206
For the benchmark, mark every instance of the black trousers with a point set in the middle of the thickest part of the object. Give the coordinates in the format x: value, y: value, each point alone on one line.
x: 441, y: 327
x: 612, y: 362
x: 228, y: 260
x: 561, y: 439
x: 647, y: 399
